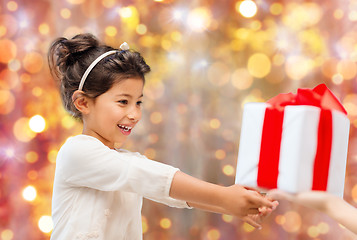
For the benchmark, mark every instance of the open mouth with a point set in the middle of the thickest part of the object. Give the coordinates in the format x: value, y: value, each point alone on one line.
x: 125, y: 128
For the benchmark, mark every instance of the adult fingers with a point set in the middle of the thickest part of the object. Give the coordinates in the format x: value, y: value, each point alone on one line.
x: 253, y: 222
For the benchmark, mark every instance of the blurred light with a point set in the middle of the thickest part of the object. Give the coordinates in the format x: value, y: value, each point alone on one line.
x: 241, y: 79
x: 347, y: 69
x: 200, y: 64
x: 75, y: 2
x: 65, y: 13
x: 323, y: 228
x: 125, y: 12
x: 176, y: 36
x: 111, y: 31
x: 141, y: 29
x: 220, y: 154
x: 37, y: 91
x: 45, y: 224
x: 293, y: 222
x: 280, y: 219
x: 144, y: 223
x: 7, y: 234
x: 297, y: 67
x: 22, y: 131
x: 33, y: 62
x: 215, y: 123
x: 179, y: 14
x: 7, y: 102
x: 29, y: 193
x: 153, y: 138
x: 32, y: 174
x: 228, y: 170
x: 247, y: 227
x: 9, y: 152
x: 278, y: 59
x: 227, y: 218
x: 156, y: 117
x: 108, y: 3
x: 52, y: 155
x: 352, y: 16
x: 213, y: 234
x: 259, y: 65
x: 337, y: 79
x: 246, y: 8
x: 350, y: 104
x: 338, y: 13
x: 31, y: 157
x: 276, y: 8
x: 12, y: 6
x: 37, y: 123
x: 14, y: 65
x: 8, y: 50
x: 3, y: 31
x: 165, y: 223
x: 44, y: 28
x: 354, y: 193
x: 199, y: 19
x: 313, y: 231
x: 68, y: 122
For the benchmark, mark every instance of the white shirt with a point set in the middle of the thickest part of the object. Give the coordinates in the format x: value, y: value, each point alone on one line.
x: 97, y: 191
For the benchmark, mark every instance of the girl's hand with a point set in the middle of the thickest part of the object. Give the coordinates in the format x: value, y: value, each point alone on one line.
x: 242, y: 203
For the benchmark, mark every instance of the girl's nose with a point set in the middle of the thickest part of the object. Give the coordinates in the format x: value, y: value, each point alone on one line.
x: 134, y: 115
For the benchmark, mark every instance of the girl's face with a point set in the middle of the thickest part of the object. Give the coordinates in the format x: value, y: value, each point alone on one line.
x: 114, y: 114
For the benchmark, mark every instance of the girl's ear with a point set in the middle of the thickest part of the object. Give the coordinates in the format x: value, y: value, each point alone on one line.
x: 81, y: 101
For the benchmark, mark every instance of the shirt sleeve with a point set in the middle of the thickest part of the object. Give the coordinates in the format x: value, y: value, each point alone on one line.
x: 84, y: 161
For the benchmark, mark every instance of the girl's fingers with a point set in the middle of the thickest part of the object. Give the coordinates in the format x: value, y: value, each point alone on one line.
x: 253, y: 211
x: 252, y: 222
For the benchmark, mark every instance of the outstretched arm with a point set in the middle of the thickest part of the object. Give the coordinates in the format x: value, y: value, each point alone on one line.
x: 335, y: 207
x: 234, y: 200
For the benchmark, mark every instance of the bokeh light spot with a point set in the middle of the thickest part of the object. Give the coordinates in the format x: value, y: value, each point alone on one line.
x: 37, y: 123
x: 247, y: 227
x: 354, y: 193
x: 7, y: 234
x: 220, y: 154
x: 156, y: 117
x: 22, y: 131
x: 297, y: 67
x: 215, y: 123
x: 276, y: 8
x: 241, y: 79
x: 33, y: 62
x: 29, y: 193
x: 227, y: 218
x: 259, y: 65
x: 313, y: 231
x: 12, y: 6
x: 111, y: 31
x: 141, y: 29
x: 7, y: 102
x: 52, y: 155
x: 31, y: 157
x: 65, y: 13
x: 8, y: 50
x: 228, y: 170
x: 145, y: 224
x: 165, y: 223
x: 45, y: 224
x: 44, y: 28
x: 199, y: 19
x: 213, y: 234
x: 293, y: 222
x: 247, y: 8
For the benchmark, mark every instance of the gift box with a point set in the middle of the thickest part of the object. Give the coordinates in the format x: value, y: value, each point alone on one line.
x: 294, y: 142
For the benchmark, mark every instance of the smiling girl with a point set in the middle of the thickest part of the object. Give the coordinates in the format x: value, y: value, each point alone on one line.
x: 98, y: 188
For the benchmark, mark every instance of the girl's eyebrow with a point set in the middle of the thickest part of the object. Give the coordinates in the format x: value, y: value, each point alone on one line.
x: 127, y: 95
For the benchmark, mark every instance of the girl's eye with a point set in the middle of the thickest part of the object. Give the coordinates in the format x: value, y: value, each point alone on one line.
x: 139, y: 103
x: 123, y: 102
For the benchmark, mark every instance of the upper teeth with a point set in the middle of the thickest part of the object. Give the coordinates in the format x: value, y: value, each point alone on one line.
x: 125, y: 127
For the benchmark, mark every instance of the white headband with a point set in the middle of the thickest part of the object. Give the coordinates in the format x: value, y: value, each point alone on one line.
x: 124, y: 46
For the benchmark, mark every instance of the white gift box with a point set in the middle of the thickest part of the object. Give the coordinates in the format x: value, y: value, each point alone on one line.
x: 298, y: 146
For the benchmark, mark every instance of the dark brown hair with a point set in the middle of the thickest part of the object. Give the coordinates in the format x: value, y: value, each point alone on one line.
x: 69, y: 58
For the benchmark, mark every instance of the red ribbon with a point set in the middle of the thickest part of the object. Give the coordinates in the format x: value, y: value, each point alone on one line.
x: 268, y: 167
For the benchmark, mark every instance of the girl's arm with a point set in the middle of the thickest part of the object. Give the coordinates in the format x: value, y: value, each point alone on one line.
x: 233, y: 200
x: 333, y: 206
